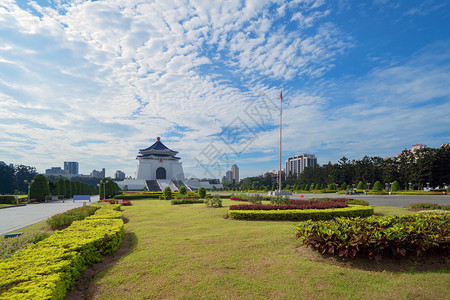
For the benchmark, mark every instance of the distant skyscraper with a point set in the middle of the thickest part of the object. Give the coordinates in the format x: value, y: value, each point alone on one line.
x: 98, y: 174
x: 119, y: 175
x: 55, y: 171
x: 71, y: 167
x: 235, y: 172
x: 296, y: 164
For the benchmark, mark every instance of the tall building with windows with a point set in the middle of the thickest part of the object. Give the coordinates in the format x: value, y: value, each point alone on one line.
x: 119, y: 175
x: 71, y: 167
x: 297, y: 163
x: 235, y: 173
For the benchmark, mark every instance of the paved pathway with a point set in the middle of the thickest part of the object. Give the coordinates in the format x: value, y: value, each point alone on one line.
x: 14, y: 218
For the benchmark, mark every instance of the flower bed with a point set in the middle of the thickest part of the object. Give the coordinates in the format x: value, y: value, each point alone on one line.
x: 376, y: 237
x: 18, y: 243
x: 63, y: 220
x: 238, y: 199
x: 47, y: 269
x: 295, y: 204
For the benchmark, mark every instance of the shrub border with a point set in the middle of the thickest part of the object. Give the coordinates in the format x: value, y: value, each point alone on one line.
x: 304, y: 214
x: 47, y: 269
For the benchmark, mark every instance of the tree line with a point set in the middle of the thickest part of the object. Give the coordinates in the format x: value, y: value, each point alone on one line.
x: 12, y: 178
x: 412, y: 170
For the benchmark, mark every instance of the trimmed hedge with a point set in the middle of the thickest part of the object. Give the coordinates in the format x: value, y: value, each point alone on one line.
x: 10, y: 199
x: 375, y: 237
x: 300, y: 214
x: 186, y: 201
x: 298, y: 204
x: 47, y: 269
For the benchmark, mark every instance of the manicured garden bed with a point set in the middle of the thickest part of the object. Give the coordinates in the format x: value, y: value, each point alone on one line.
x: 302, y: 214
x: 47, y: 269
x: 197, y: 253
x: 375, y: 237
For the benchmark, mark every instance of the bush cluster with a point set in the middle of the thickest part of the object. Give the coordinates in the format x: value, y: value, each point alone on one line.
x: 215, y: 201
x: 375, y: 237
x: 10, y: 199
x: 47, y: 269
x: 302, y: 214
x: 424, y: 206
x: 280, y: 200
x: 65, y: 219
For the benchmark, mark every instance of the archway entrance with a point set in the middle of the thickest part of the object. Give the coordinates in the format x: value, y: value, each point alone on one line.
x: 160, y: 173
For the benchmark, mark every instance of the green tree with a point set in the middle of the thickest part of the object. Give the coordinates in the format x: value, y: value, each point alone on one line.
x: 332, y: 186
x: 73, y: 185
x: 21, y: 173
x: 202, y: 192
x: 377, y: 186
x: 39, y: 188
x: 68, y: 186
x: 183, y: 190
x: 61, y: 187
x: 395, y: 186
x: 167, y: 193
x: 6, y: 179
x: 108, y: 188
x: 360, y: 186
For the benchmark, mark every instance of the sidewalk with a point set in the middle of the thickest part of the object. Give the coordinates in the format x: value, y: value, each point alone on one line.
x: 15, y: 218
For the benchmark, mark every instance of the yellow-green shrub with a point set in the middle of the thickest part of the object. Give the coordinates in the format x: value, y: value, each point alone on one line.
x: 47, y: 269
x: 302, y: 214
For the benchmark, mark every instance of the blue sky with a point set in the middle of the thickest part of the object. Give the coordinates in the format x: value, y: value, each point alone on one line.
x: 94, y: 81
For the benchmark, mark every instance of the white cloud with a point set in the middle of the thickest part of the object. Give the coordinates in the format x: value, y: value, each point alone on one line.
x: 126, y: 71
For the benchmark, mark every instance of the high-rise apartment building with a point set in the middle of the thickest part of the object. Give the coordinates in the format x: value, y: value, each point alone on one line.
x: 119, y: 175
x: 71, y: 167
x: 235, y: 173
x: 297, y: 163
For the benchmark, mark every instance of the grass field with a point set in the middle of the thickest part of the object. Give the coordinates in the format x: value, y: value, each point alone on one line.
x: 194, y: 252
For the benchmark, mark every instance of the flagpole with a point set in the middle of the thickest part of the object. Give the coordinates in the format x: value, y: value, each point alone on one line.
x: 281, y: 125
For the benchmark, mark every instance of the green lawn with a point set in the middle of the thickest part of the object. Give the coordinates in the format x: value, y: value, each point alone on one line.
x: 194, y: 252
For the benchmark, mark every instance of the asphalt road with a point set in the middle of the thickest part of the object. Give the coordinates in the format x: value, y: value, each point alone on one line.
x: 385, y: 200
x: 14, y: 218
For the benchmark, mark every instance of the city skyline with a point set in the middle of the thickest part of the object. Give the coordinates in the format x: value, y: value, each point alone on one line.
x: 94, y: 82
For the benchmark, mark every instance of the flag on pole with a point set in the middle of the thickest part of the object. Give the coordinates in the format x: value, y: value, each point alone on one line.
x: 281, y: 96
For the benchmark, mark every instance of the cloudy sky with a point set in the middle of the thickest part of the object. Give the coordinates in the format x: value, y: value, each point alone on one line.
x: 94, y: 81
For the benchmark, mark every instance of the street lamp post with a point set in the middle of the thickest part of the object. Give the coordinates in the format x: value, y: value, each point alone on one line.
x: 368, y: 186
x: 409, y: 186
x: 29, y: 183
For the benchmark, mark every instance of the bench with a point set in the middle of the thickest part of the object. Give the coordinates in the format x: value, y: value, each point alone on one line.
x: 14, y: 234
x: 81, y: 197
